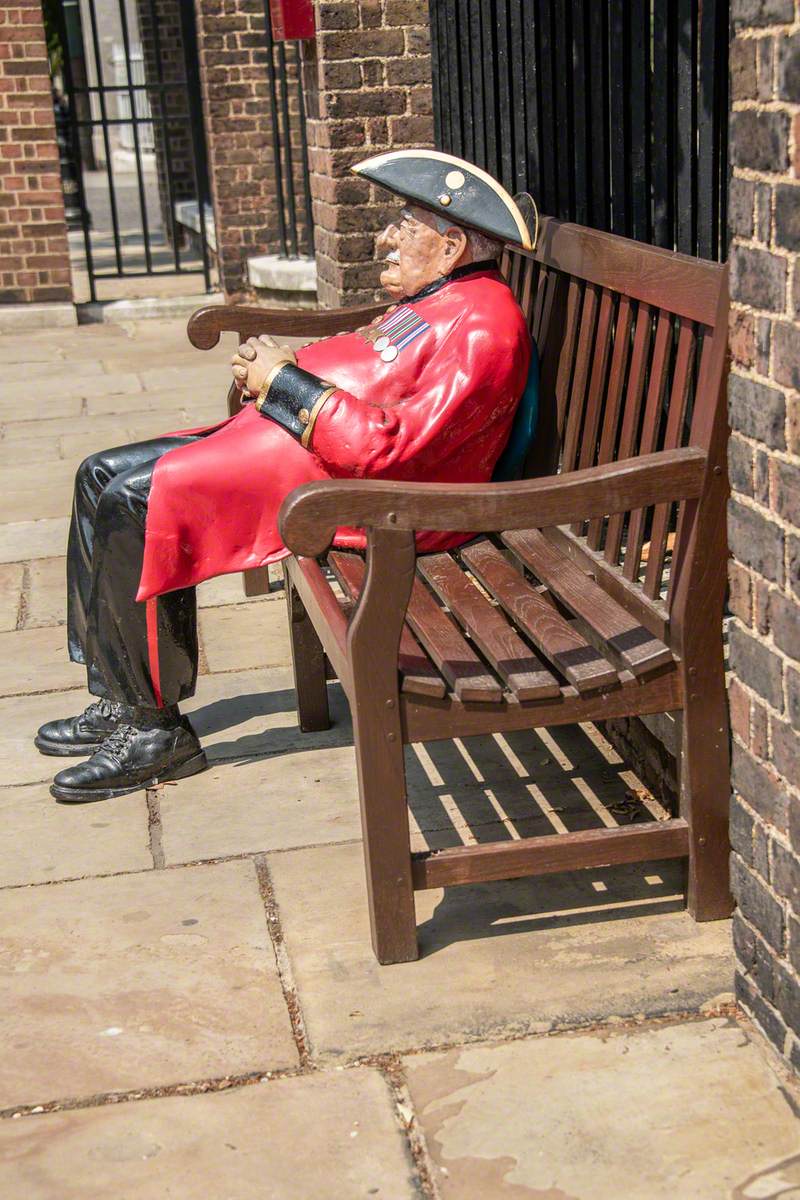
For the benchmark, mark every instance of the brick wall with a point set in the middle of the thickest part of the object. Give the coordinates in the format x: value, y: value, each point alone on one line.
x: 764, y: 516
x: 367, y: 79
x: 34, y: 256
x: 233, y: 68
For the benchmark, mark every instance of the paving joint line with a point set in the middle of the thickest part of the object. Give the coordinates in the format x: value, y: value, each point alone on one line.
x: 154, y: 828
x: 387, y: 1063
x: 284, y: 966
x: 394, y: 1077
x: 24, y: 597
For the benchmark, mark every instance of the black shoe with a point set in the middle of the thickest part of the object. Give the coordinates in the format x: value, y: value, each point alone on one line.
x: 83, y: 734
x: 130, y: 759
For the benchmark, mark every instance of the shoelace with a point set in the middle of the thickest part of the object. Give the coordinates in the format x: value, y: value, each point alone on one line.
x: 104, y: 709
x: 118, y: 742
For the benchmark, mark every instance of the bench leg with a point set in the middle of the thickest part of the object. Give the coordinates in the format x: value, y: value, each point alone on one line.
x: 308, y: 664
x: 705, y: 786
x: 384, y: 820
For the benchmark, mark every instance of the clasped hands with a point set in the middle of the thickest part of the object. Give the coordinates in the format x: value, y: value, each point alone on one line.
x: 253, y: 362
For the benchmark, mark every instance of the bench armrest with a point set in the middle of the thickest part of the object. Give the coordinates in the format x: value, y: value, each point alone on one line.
x: 311, y: 513
x: 208, y: 323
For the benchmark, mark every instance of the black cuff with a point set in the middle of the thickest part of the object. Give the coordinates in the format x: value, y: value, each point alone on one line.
x: 291, y: 398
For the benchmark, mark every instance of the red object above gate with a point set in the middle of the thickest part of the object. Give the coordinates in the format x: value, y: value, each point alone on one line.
x: 292, y: 19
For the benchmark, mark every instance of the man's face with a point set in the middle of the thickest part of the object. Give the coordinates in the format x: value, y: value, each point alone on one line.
x: 416, y: 253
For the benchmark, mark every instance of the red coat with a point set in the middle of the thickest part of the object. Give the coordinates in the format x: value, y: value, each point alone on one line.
x: 439, y: 411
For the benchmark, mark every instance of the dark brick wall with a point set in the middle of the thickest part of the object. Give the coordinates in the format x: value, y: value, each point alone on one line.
x: 367, y: 79
x: 34, y: 256
x: 764, y: 514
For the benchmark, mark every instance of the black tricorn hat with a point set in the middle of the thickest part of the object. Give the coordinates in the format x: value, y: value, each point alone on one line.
x: 452, y: 188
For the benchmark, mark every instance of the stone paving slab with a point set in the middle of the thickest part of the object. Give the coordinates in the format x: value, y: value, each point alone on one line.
x: 20, y: 717
x: 235, y: 638
x: 35, y: 660
x: 496, y: 958
x: 32, y: 450
x: 11, y: 578
x: 33, y: 495
x: 138, y: 981
x: 46, y: 601
x: 273, y: 803
x: 689, y: 1111
x: 21, y: 541
x: 315, y: 1138
x: 57, y: 841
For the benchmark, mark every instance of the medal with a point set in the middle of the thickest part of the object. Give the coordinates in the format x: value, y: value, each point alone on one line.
x: 397, y: 330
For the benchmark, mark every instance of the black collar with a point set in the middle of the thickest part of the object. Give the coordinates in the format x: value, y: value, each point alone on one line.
x: 488, y: 264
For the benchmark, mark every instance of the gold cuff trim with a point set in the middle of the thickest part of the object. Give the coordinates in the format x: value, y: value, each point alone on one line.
x: 267, y: 384
x: 312, y: 416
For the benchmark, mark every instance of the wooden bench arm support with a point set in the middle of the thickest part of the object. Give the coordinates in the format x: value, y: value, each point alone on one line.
x: 208, y: 323
x: 311, y: 514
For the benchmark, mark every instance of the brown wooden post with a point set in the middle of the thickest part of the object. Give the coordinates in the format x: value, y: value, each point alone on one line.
x: 373, y: 642
x: 308, y: 664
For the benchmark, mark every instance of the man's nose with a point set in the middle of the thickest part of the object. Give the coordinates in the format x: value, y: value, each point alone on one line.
x: 388, y: 239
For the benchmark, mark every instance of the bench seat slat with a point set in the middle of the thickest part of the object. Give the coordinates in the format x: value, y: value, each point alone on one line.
x: 524, y: 672
x: 419, y: 675
x: 465, y: 672
x: 639, y: 650
x: 557, y: 639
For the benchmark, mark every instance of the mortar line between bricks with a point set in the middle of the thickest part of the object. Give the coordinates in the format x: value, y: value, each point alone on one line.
x: 285, y: 975
x: 379, y: 1062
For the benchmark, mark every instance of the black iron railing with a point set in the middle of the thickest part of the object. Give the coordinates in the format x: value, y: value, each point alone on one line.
x: 295, y: 225
x: 613, y: 113
x: 133, y: 231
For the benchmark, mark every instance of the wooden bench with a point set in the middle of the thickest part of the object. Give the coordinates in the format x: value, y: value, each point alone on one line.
x: 593, y: 593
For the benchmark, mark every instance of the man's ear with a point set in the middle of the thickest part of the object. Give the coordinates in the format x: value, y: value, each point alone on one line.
x: 455, y: 244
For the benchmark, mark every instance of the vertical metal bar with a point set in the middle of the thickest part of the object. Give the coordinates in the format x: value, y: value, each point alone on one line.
x: 436, y: 76
x: 476, y: 99
x: 504, y: 101
x: 162, y: 97
x: 123, y: 16
x: 76, y: 144
x: 516, y: 60
x: 287, y: 150
x: 465, y: 75
x: 276, y: 142
x: 562, y: 79
x: 445, y: 82
x: 686, y: 197
x: 582, y: 152
x: 663, y: 123
x: 199, y: 159
x: 639, y: 158
x: 599, y: 208
x: 104, y: 126
x: 488, y: 18
x: 619, y: 106
x: 453, y: 74
x: 544, y: 54
x: 721, y: 132
x: 708, y: 149
x: 533, y: 173
x: 301, y: 107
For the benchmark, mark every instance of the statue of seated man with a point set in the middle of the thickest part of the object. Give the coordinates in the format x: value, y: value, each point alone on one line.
x: 428, y: 392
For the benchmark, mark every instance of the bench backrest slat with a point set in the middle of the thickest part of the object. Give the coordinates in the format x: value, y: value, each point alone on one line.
x: 625, y: 333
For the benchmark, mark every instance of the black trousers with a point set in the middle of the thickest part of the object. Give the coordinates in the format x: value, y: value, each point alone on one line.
x: 138, y: 653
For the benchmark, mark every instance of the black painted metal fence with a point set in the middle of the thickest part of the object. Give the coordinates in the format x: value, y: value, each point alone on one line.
x: 289, y: 146
x: 613, y: 113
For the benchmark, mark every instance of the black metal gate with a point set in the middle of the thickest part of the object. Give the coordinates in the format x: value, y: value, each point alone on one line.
x: 134, y: 150
x: 613, y: 113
